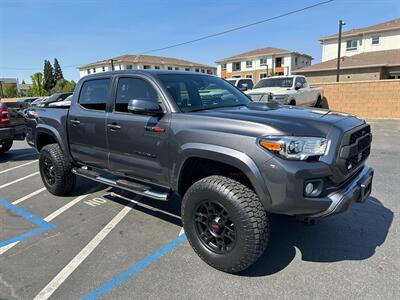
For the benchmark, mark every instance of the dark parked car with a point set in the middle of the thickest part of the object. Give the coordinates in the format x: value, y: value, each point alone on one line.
x: 12, y: 124
x: 162, y: 133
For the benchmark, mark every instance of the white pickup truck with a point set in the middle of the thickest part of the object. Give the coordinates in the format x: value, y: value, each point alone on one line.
x: 292, y: 90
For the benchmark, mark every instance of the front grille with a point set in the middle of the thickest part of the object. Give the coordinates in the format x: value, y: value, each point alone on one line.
x: 354, y: 136
x: 359, y: 147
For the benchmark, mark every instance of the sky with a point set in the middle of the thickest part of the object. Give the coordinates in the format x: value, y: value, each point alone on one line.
x: 78, y: 32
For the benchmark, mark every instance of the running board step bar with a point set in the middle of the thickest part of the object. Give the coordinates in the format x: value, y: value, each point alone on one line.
x: 127, y: 185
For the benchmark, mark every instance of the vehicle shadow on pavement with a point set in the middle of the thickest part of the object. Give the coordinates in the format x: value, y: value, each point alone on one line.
x: 353, y: 235
x: 19, y: 155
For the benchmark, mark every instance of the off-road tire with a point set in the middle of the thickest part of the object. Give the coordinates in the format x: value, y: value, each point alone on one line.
x: 64, y: 179
x: 5, y: 145
x: 247, y: 214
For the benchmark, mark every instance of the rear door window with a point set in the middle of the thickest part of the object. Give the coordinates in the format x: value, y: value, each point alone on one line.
x: 95, y: 94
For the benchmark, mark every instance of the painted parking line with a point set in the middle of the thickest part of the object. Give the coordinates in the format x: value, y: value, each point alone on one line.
x: 49, y: 217
x: 55, y: 283
x: 22, y: 199
x: 134, y: 269
x: 18, y: 180
x: 42, y: 224
x: 20, y: 166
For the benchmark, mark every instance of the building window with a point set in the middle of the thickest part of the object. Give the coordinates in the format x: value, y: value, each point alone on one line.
x: 170, y: 68
x: 176, y: 69
x: 249, y: 76
x: 375, y: 40
x: 351, y: 45
x: 120, y: 67
x: 187, y: 69
x: 157, y: 67
x: 202, y: 71
x: 94, y: 70
x: 146, y: 67
x: 223, y: 67
x: 278, y: 62
x: 249, y: 64
x: 263, y: 75
x: 296, y: 60
x: 103, y: 68
x: 236, y: 66
x: 263, y: 61
x: 197, y: 70
x: 88, y: 71
x: 129, y: 67
x: 209, y: 72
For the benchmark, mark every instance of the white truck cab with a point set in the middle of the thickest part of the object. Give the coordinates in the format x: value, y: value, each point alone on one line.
x: 242, y: 84
x: 292, y: 90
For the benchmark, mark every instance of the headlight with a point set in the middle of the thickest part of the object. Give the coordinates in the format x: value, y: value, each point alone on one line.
x: 294, y: 147
x: 280, y: 98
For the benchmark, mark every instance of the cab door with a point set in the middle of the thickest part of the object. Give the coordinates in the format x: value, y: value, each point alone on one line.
x: 137, y: 142
x: 87, y: 123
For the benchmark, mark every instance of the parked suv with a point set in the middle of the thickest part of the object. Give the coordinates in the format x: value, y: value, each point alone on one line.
x: 161, y: 133
x: 242, y: 84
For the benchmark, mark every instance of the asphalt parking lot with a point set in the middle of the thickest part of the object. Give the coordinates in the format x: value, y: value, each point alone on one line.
x: 98, y: 244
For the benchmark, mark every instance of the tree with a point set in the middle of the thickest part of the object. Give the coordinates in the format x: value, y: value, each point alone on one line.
x: 57, y: 71
x: 37, y: 88
x: 48, y: 76
x: 63, y: 86
x: 9, y: 90
x: 23, y: 81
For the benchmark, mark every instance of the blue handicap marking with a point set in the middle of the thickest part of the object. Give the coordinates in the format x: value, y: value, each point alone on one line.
x: 41, y: 224
x: 134, y: 269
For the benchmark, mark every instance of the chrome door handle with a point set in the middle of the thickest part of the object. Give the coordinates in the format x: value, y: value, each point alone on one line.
x: 114, y: 126
x: 75, y: 122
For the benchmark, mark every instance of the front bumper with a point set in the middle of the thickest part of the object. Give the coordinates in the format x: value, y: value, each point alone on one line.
x: 357, y: 190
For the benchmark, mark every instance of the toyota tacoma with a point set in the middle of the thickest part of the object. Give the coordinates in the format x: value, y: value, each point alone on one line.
x: 232, y: 161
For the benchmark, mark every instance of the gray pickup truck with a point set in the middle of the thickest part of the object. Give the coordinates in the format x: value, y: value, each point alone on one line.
x: 12, y: 124
x: 162, y: 133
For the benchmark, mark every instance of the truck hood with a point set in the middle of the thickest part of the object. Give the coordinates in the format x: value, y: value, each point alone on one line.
x: 273, y: 90
x: 290, y: 120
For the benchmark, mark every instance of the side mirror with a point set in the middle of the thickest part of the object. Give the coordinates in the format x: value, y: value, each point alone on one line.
x: 244, y: 87
x: 298, y: 86
x: 144, y: 106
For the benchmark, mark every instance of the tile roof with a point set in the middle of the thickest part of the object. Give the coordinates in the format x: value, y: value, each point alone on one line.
x: 362, y: 60
x: 389, y: 25
x: 148, y: 59
x: 259, y: 52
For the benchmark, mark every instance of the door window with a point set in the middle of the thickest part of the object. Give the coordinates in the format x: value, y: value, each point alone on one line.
x: 95, y: 94
x: 133, y: 88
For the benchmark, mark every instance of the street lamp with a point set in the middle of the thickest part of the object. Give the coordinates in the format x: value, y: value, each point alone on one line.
x: 341, y: 23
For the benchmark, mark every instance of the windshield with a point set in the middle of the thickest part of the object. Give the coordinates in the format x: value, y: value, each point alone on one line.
x: 200, y: 92
x: 275, y: 82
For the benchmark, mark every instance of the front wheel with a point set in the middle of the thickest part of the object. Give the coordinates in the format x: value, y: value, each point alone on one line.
x: 5, y: 145
x: 56, y: 170
x: 225, y: 223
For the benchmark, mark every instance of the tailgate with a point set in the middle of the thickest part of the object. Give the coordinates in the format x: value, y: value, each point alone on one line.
x: 16, y: 113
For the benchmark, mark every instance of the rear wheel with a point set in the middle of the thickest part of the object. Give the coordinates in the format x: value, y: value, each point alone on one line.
x: 292, y: 102
x: 225, y: 223
x: 5, y: 145
x: 56, y: 170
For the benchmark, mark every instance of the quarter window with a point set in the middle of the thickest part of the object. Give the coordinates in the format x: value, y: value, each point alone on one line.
x: 133, y: 88
x: 95, y: 94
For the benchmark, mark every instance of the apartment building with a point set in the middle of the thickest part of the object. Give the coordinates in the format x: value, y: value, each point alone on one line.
x: 378, y: 37
x: 137, y: 62
x: 263, y: 62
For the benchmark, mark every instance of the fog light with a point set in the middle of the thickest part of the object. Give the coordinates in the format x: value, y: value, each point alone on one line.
x: 309, y: 188
x: 313, y: 188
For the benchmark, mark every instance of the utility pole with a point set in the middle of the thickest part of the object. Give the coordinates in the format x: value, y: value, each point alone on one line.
x: 341, y: 23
